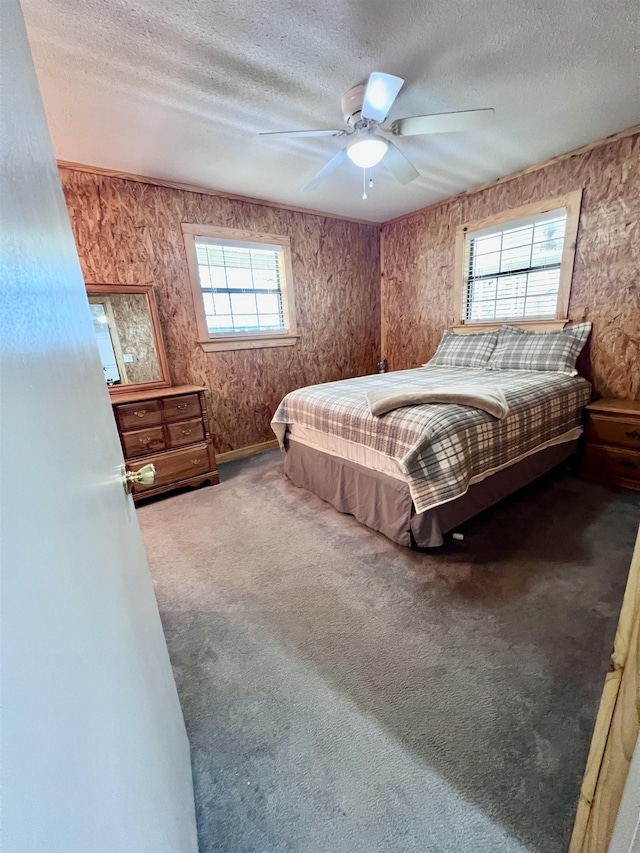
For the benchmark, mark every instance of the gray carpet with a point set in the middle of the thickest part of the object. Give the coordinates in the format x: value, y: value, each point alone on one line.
x: 342, y: 693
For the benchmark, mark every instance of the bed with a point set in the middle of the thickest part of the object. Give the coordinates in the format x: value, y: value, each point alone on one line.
x: 419, y: 471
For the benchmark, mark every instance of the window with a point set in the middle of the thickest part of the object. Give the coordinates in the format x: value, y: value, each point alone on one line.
x: 517, y: 267
x: 243, y: 292
x: 240, y: 286
x: 514, y: 270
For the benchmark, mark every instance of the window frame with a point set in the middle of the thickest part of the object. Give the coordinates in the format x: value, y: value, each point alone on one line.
x: 571, y: 203
x: 241, y: 340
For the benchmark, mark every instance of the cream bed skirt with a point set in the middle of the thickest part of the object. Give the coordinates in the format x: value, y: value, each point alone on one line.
x: 383, y: 502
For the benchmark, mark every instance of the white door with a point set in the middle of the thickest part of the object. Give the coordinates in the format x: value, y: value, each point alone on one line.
x: 94, y: 750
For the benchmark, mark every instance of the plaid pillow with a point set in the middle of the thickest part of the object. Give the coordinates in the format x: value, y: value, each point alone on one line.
x: 558, y: 351
x: 464, y: 350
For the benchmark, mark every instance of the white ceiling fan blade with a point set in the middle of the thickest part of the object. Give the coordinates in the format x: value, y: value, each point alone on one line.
x: 291, y: 133
x: 315, y: 182
x: 399, y: 166
x: 382, y: 90
x: 442, y: 123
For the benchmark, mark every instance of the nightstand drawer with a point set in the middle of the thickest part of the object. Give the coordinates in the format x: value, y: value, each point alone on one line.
x: 611, y: 464
x: 143, y: 441
x: 603, y: 430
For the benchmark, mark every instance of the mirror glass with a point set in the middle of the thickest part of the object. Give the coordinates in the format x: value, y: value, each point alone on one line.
x: 126, y: 341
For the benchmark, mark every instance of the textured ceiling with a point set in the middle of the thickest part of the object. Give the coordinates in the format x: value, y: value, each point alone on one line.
x: 179, y: 91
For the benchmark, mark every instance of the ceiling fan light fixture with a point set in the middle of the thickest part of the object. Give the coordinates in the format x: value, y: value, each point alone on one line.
x: 367, y: 151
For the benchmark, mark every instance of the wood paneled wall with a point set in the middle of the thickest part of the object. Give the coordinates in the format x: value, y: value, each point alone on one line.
x: 418, y: 262
x: 129, y: 232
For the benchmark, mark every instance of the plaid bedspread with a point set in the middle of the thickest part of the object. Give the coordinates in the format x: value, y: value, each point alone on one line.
x: 441, y: 447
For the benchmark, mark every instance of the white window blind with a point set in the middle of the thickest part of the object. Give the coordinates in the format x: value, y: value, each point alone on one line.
x: 512, y: 271
x: 241, y: 286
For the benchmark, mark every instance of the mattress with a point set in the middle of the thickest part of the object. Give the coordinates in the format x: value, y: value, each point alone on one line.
x: 377, y: 461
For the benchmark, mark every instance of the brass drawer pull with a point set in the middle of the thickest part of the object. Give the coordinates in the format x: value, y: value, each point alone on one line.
x: 186, y: 431
x: 633, y: 434
x: 182, y: 406
x: 195, y: 461
x: 140, y: 413
x: 144, y: 440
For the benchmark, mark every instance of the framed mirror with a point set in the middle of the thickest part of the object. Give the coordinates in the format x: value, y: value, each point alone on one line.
x: 127, y: 327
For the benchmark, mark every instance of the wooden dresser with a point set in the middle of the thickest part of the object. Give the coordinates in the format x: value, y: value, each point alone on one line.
x: 612, y: 443
x: 169, y: 428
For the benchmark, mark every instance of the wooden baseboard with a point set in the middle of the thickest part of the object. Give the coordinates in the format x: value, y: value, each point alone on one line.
x: 246, y: 451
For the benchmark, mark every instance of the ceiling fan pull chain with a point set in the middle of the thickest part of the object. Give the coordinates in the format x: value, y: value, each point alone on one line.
x: 364, y: 184
x: 370, y: 178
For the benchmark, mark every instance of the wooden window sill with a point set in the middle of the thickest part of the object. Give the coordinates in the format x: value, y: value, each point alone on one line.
x: 237, y: 342
x: 530, y: 325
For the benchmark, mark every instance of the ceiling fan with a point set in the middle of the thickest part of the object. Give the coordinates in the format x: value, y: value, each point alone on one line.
x: 365, y: 107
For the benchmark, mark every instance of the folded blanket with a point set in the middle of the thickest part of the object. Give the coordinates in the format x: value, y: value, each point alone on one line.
x: 491, y: 400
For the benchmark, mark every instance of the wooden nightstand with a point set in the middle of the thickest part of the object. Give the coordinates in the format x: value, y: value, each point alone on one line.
x: 612, y: 443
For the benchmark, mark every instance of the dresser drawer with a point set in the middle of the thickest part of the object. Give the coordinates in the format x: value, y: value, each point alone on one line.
x: 606, y: 463
x: 181, y: 408
x: 185, y: 432
x: 175, y: 465
x: 143, y: 441
x: 603, y: 430
x: 137, y: 415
